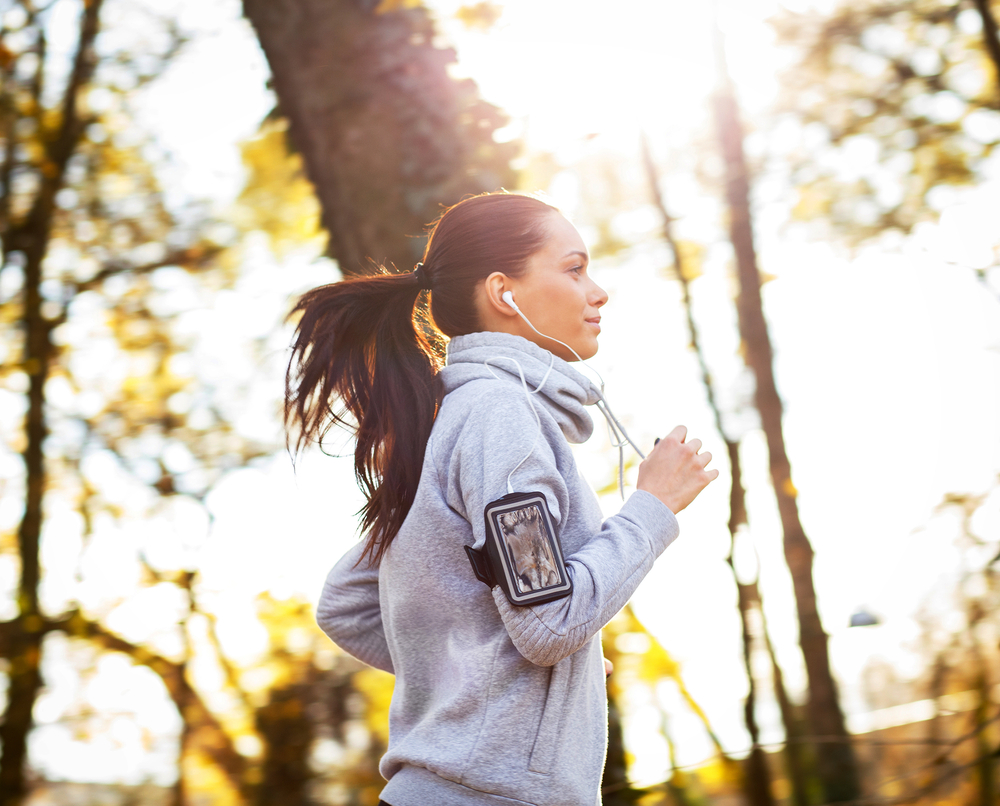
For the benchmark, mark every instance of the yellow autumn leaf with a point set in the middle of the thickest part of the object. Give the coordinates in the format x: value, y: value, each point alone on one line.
x: 815, y: 200
x: 376, y: 687
x: 479, y: 16
x: 277, y: 199
x: 692, y: 257
x: 205, y: 781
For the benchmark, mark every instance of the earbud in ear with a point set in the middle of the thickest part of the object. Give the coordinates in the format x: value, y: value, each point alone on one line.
x: 508, y: 297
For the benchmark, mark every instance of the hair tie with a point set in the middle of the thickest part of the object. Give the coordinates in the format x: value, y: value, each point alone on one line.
x: 423, y: 281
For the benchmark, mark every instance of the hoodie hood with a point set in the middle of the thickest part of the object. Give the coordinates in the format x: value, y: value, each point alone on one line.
x: 564, y: 393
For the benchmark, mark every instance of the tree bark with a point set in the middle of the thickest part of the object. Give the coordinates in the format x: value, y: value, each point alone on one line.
x: 837, y: 766
x: 32, y: 237
x: 386, y: 135
x: 991, y: 39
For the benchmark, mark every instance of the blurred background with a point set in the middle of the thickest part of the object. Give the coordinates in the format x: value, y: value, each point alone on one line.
x: 795, y: 209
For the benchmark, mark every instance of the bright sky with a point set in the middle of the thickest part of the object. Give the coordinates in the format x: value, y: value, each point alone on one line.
x: 888, y: 362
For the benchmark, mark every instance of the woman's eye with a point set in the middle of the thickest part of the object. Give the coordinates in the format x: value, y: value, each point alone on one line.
x: 577, y: 269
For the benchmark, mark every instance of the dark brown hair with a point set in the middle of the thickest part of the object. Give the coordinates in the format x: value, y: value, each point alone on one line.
x: 367, y: 349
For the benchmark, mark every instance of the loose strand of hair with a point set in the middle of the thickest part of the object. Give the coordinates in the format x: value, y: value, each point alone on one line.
x: 364, y: 359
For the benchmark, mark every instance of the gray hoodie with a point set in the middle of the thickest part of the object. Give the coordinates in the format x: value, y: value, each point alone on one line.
x: 496, y: 704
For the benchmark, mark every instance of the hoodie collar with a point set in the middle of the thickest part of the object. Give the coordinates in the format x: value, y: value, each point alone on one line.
x: 564, y: 393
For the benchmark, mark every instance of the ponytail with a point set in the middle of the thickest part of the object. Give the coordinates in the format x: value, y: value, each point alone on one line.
x: 367, y: 343
x: 375, y: 345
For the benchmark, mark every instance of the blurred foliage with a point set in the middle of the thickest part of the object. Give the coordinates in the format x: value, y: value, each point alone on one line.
x: 894, y: 101
x: 641, y: 667
x: 690, y: 257
x: 605, y: 192
x: 948, y: 755
x: 479, y: 16
x: 104, y: 295
x: 277, y: 198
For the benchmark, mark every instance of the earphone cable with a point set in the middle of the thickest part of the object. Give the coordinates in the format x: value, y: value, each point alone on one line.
x: 616, y: 431
x: 527, y: 394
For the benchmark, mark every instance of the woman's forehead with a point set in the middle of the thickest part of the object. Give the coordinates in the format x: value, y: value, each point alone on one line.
x: 563, y: 239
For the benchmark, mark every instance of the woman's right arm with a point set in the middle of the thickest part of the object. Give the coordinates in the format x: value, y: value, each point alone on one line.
x: 349, y: 610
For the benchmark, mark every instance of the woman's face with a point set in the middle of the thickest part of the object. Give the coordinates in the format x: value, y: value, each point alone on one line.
x: 557, y: 294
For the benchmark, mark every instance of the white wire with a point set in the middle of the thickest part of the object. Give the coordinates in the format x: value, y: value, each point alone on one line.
x: 616, y: 431
x: 527, y: 394
x: 617, y: 434
x: 564, y: 344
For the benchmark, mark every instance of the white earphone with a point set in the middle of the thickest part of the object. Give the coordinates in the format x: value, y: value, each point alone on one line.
x: 508, y: 297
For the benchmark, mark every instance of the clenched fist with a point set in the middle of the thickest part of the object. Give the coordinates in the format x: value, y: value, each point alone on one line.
x: 674, y: 471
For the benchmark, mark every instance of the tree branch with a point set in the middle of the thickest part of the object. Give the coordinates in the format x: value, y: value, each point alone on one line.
x: 61, y: 147
x: 208, y: 735
x: 193, y: 257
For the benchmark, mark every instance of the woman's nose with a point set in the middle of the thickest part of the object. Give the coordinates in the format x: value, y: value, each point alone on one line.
x: 599, y: 296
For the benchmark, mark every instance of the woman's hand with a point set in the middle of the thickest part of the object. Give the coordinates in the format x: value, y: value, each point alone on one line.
x: 674, y: 471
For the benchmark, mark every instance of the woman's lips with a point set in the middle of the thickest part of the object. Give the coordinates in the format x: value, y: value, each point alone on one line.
x: 596, y: 322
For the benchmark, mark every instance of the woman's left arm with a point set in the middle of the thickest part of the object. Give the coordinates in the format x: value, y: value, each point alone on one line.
x: 611, y: 561
x: 605, y: 573
x: 349, y: 610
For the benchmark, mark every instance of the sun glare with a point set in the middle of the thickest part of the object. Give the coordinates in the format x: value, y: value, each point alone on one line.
x: 566, y: 71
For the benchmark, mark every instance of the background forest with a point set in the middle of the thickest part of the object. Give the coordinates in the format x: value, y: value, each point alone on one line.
x: 795, y: 208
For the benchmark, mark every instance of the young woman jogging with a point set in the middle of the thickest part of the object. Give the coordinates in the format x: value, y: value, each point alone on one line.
x: 464, y: 456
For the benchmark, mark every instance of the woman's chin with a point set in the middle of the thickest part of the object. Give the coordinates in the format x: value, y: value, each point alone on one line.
x: 588, y: 349
x: 585, y: 348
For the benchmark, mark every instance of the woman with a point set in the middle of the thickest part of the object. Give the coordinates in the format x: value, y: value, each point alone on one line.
x: 493, y: 703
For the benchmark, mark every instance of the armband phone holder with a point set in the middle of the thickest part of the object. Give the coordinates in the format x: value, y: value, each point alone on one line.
x: 521, y: 554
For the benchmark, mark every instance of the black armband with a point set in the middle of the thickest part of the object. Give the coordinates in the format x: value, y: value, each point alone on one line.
x: 522, y: 554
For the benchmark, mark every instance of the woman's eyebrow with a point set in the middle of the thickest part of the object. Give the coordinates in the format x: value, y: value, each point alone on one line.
x: 584, y: 255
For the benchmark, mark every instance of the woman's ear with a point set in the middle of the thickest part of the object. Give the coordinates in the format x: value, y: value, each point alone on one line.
x: 496, y: 284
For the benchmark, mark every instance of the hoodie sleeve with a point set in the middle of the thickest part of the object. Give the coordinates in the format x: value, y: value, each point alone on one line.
x: 349, y: 610
x: 611, y: 561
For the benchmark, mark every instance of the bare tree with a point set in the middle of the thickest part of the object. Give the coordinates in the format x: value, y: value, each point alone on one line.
x: 757, y: 777
x: 30, y: 235
x: 837, y: 766
x: 81, y: 214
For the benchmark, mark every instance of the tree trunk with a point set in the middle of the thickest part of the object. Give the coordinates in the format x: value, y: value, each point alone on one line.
x: 795, y: 752
x: 757, y: 777
x: 757, y: 785
x: 614, y: 782
x: 25, y: 658
x: 386, y: 135
x: 288, y: 734
x: 986, y: 768
x: 991, y: 39
x: 837, y: 766
x: 32, y: 237
x: 179, y: 795
x: 677, y: 783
